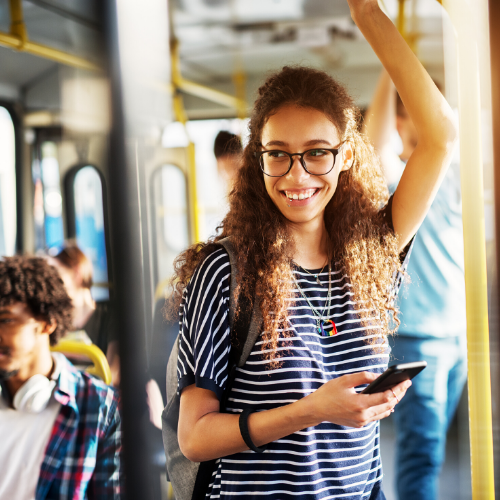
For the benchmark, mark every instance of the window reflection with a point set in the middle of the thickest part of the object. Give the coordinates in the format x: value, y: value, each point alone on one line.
x: 171, y: 209
x: 7, y: 184
x: 89, y: 222
x: 52, y: 199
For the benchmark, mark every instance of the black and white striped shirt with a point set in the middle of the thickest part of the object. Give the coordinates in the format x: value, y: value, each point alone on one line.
x: 322, y: 462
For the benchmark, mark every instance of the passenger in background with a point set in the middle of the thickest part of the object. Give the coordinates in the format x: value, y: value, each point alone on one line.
x: 75, y: 270
x: 92, y: 322
x: 95, y: 324
x: 228, y: 151
x: 433, y: 323
x: 59, y: 428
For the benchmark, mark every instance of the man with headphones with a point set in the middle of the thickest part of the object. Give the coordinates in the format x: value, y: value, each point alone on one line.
x: 59, y: 428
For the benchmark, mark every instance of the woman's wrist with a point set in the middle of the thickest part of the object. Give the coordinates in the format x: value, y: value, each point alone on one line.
x: 307, y: 411
x: 363, y: 13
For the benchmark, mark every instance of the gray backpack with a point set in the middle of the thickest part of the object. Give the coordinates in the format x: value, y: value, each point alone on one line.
x: 190, y: 480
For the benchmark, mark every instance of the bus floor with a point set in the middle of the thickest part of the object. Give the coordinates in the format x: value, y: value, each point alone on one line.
x: 455, y: 480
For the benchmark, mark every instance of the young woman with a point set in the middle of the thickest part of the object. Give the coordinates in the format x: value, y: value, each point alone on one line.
x: 319, y: 246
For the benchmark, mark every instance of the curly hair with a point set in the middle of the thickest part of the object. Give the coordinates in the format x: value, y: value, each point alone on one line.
x: 33, y: 281
x: 360, y: 242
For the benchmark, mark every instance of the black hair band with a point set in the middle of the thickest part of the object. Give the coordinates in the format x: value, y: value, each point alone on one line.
x: 245, y: 434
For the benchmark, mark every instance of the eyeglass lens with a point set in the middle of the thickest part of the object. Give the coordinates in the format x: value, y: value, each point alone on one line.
x: 277, y: 163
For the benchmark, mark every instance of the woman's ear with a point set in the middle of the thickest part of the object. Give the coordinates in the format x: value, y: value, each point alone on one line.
x: 347, y: 156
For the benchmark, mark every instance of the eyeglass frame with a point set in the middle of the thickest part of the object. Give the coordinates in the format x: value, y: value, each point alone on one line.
x: 259, y: 154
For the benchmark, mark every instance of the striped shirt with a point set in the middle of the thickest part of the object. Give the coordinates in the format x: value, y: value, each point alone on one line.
x: 326, y: 461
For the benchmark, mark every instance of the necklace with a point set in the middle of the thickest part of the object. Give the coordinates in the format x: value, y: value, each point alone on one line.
x: 316, y: 276
x: 321, y: 320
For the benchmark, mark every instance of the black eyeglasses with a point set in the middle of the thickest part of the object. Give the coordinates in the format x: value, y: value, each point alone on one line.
x: 277, y: 163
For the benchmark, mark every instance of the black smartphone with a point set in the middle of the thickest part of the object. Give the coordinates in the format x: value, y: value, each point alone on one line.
x: 394, y: 375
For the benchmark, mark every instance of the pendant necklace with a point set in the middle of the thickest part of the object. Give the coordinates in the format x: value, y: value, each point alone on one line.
x: 316, y: 276
x: 321, y: 319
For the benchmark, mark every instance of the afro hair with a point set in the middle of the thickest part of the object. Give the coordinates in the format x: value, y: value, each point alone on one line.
x: 33, y: 281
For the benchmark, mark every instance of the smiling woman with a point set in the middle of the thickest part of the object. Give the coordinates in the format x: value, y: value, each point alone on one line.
x: 320, y: 248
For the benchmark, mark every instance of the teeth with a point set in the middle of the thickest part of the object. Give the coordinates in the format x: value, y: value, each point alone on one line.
x: 302, y: 196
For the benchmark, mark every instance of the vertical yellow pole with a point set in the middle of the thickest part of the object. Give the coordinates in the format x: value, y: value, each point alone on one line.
x: 464, y: 17
x: 180, y: 116
x: 402, y: 25
x: 239, y: 75
x: 401, y: 20
x: 17, y: 26
x: 240, y: 81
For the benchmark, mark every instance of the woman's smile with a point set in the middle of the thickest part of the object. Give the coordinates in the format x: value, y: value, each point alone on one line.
x: 300, y: 197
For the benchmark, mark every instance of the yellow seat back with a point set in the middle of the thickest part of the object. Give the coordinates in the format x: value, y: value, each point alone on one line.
x: 100, y: 367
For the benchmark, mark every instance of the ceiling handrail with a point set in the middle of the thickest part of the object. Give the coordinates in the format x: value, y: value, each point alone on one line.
x: 18, y: 39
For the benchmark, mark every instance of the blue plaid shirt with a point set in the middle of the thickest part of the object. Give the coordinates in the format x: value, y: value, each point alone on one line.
x: 82, y: 458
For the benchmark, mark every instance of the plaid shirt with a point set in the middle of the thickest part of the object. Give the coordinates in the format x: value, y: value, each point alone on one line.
x: 82, y: 458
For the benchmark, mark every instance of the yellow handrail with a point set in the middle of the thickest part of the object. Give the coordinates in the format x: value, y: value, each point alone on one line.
x: 18, y: 39
x: 401, y: 20
x: 209, y: 94
x: 463, y: 17
x: 101, y: 366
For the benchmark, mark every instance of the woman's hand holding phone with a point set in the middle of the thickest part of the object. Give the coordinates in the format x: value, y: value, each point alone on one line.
x: 337, y: 401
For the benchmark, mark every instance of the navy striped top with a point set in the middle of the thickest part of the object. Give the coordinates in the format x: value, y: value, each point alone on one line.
x: 326, y: 461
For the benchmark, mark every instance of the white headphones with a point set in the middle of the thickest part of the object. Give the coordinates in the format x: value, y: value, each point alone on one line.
x: 34, y: 395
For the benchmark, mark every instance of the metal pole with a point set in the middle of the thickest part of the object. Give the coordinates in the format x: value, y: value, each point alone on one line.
x: 494, y: 19
x: 464, y: 19
x: 125, y: 239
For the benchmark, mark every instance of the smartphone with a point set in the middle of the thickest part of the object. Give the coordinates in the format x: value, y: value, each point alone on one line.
x: 394, y: 375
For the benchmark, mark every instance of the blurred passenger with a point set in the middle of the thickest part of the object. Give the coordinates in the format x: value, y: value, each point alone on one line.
x: 316, y: 243
x: 228, y: 151
x: 92, y: 322
x: 75, y: 270
x: 59, y: 428
x: 433, y: 322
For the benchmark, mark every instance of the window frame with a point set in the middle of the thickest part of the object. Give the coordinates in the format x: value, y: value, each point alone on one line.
x: 16, y: 114
x: 69, y: 208
x: 155, y: 172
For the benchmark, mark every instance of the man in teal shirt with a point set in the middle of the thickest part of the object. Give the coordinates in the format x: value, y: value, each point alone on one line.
x: 432, y: 309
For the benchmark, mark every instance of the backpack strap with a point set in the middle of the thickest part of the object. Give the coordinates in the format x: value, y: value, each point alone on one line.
x: 246, y: 327
x: 245, y: 330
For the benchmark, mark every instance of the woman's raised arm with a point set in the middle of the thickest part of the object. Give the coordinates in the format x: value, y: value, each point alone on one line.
x: 428, y: 109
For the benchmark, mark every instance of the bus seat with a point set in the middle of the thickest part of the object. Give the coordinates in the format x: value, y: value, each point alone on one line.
x: 100, y: 367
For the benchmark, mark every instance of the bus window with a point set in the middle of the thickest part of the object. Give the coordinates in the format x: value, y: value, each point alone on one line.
x: 172, y: 227
x: 7, y: 184
x: 52, y: 199
x: 89, y: 226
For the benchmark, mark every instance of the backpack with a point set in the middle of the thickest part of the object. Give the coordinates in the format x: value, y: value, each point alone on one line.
x: 190, y: 480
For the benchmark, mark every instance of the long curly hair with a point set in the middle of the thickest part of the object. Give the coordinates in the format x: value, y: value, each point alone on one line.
x: 33, y: 281
x: 360, y: 242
